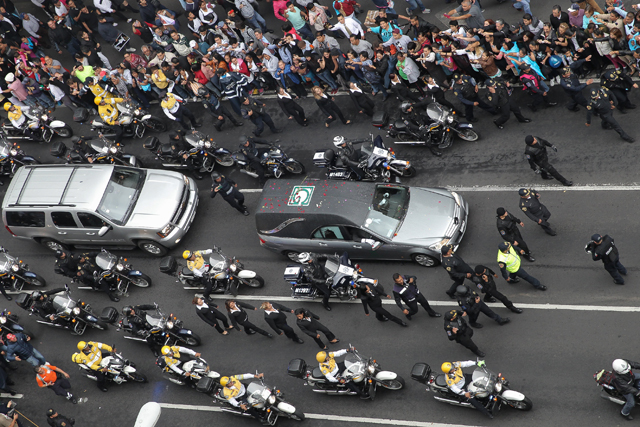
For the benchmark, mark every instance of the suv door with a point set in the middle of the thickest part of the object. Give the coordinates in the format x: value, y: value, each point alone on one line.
x: 91, y: 224
x: 67, y: 229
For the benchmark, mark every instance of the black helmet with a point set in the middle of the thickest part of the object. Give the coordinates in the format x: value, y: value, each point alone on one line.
x: 594, y: 93
x: 76, y: 140
x: 127, y: 310
x: 215, y: 175
x: 202, y: 92
x: 243, y: 139
x: 462, y: 290
x: 405, y: 106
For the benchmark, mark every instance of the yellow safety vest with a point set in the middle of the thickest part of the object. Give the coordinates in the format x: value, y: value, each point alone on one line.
x: 197, y: 263
x: 108, y: 113
x: 93, y: 359
x: 98, y: 90
x: 228, y: 392
x: 455, y: 377
x: 329, y: 365
x: 16, y: 115
x: 510, y: 260
x: 169, y: 103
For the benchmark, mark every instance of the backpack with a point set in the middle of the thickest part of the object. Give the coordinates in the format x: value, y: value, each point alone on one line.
x: 605, y: 379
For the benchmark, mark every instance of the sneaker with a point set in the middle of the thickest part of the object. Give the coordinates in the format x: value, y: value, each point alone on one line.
x: 426, y: 11
x: 130, y: 49
x: 129, y: 21
x: 408, y: 11
x: 115, y: 24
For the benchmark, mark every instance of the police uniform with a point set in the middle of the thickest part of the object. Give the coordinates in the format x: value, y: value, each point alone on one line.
x: 607, y: 252
x: 572, y: 86
x: 236, y: 394
x: 409, y: 293
x: 484, y: 281
x: 618, y: 82
x: 226, y: 188
x: 536, y: 155
x: 462, y: 333
x: 254, y: 154
x: 414, y: 120
x: 511, y: 266
x: 200, y: 268
x: 457, y: 381
x: 173, y: 360
x: 466, y: 93
x: 501, y: 102
x: 371, y: 299
x: 332, y: 369
x: 174, y: 109
x: 457, y: 269
x: 467, y: 302
x: 536, y: 211
x: 93, y: 360
x: 601, y: 103
x: 509, y: 232
x: 217, y: 110
x: 109, y: 114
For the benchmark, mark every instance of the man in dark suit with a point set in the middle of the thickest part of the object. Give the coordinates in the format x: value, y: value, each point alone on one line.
x: 308, y: 323
x: 210, y: 315
x: 405, y: 289
x: 275, y: 317
x: 370, y: 296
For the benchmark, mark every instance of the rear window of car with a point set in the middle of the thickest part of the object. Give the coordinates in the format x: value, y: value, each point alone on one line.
x: 25, y: 219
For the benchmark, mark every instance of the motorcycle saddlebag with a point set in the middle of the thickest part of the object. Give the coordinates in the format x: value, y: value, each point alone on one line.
x: 109, y: 314
x: 24, y: 300
x: 420, y: 372
x: 400, y: 126
x: 297, y: 368
x: 166, y: 149
x: 322, y: 158
x: 58, y: 149
x: 205, y: 385
x: 151, y: 143
x: 168, y: 265
x: 81, y: 115
x: 379, y: 119
x: 292, y: 273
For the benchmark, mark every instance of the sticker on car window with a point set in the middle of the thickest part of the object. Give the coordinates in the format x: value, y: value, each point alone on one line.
x: 301, y: 195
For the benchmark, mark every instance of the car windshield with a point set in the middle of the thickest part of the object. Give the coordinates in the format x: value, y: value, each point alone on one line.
x: 388, y: 209
x: 121, y: 194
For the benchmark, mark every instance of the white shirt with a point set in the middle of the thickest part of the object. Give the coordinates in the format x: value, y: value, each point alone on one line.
x: 351, y: 25
x: 103, y: 5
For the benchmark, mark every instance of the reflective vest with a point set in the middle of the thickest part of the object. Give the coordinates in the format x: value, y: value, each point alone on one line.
x: 16, y: 117
x: 98, y: 90
x: 328, y: 366
x: 232, y: 389
x: 455, y: 376
x: 510, y: 260
x: 93, y: 359
x: 108, y: 113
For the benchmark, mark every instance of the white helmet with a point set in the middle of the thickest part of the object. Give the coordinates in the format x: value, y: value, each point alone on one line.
x: 304, y: 257
x: 338, y: 140
x: 620, y: 366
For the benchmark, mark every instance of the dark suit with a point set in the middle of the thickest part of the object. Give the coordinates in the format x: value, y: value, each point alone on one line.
x: 241, y: 317
x: 278, y: 321
x: 362, y: 102
x: 311, y: 326
x: 290, y: 108
x: 372, y: 300
x: 210, y: 315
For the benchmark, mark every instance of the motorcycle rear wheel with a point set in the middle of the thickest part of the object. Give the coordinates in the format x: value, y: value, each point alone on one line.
x: 295, y: 168
x: 136, y: 377
x: 156, y: 125
x: 192, y: 340
x: 522, y: 405
x: 64, y: 132
x: 225, y: 160
x: 255, y: 282
x: 396, y: 384
x: 36, y: 281
x: 409, y: 172
x: 469, y: 135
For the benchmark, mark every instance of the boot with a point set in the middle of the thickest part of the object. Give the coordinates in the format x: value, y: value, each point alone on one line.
x: 516, y: 310
x: 503, y: 321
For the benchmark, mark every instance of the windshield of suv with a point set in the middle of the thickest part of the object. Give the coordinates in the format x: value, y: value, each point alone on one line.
x: 121, y: 194
x: 388, y: 208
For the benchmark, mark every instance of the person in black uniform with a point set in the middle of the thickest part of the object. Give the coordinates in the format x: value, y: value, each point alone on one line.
x: 508, y: 228
x: 370, y: 297
x: 67, y: 262
x: 217, y: 110
x: 361, y: 100
x: 239, y: 317
x: 209, y: 314
x: 484, y: 281
x: 603, y: 105
x: 314, y: 272
x: 572, y: 86
x: 136, y: 317
x: 465, y: 89
x: 472, y: 304
x: 254, y: 110
x: 227, y: 188
x: 308, y: 324
x: 458, y: 269
x: 619, y: 83
x: 536, y: 154
x: 254, y: 154
x: 291, y: 108
x: 89, y: 275
x: 54, y: 419
x: 499, y: 98
x: 44, y: 307
x: 437, y: 94
x: 536, y: 211
x: 275, y: 317
x: 414, y: 120
x: 457, y: 330
x: 179, y: 151
x: 405, y: 288
x: 536, y: 88
x: 400, y: 90
x: 604, y: 248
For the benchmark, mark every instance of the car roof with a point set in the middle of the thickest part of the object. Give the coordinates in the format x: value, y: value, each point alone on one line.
x: 58, y: 185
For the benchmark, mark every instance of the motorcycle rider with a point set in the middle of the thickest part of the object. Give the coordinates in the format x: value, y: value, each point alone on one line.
x: 254, y: 154
x: 83, y: 149
x: 170, y: 359
x: 332, y: 369
x: 473, y: 305
x: 91, y: 354
x: 18, y: 119
x: 181, y: 151
x: 348, y: 155
x: 96, y: 89
x: 416, y: 122
x: 136, y: 317
x: 44, y: 307
x: 235, y: 393
x: 316, y: 274
x: 108, y: 110
x: 67, y: 263
x: 626, y: 382
x: 201, y: 267
x: 89, y: 274
x: 175, y: 110
x: 456, y: 381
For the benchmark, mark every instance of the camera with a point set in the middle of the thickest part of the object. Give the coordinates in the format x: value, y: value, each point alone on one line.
x: 12, y: 408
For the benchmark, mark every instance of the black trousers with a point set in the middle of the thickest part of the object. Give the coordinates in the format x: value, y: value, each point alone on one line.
x: 117, y: 129
x: 465, y: 340
x: 517, y: 237
x: 506, y: 110
x: 547, y: 169
x: 484, y: 308
x: 259, y: 120
x: 222, y: 318
x: 608, y: 122
x: 499, y: 296
x: 182, y: 113
x: 413, y: 305
x: 61, y: 386
x: 577, y: 98
x: 102, y: 378
x: 452, y: 289
x: 208, y: 285
x: 297, y: 112
x: 288, y: 331
x: 468, y: 108
x: 222, y: 112
x: 250, y: 327
x: 367, y: 107
x: 330, y: 336
x: 236, y: 200
x: 615, y: 269
x: 334, y: 112
x: 621, y: 96
x: 476, y: 404
x: 381, y: 313
x: 324, y: 290
x: 545, y: 223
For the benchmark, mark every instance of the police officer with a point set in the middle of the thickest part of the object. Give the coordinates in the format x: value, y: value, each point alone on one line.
x: 173, y: 107
x: 370, y: 297
x: 227, y: 188
x: 254, y: 110
x: 602, y: 104
x: 536, y: 154
x: 536, y: 211
x: 511, y: 268
x: 472, y: 304
x: 484, y: 281
x: 604, y: 248
x: 458, y: 269
x: 136, y: 317
x: 405, y: 288
x: 465, y: 89
x: 457, y: 330
x: 348, y: 155
x: 619, y: 83
x: 414, y: 120
x: 458, y: 382
x: 217, y: 110
x: 508, y: 228
x: 254, y: 154
x: 316, y: 274
x: 572, y: 86
x: 89, y: 275
x: 499, y: 98
x: 536, y: 87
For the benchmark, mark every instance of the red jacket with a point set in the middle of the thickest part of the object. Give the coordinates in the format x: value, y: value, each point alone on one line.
x: 200, y: 77
x: 347, y: 6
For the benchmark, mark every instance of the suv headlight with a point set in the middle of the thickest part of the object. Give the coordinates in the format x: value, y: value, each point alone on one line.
x: 169, y: 324
x: 437, y: 246
x: 271, y: 400
x: 76, y: 311
x: 15, y: 267
x: 166, y: 230
x: 457, y: 198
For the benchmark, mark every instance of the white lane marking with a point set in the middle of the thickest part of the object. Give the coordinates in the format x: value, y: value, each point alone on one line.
x: 570, y: 307
x: 250, y: 190
x: 339, y: 418
x: 594, y: 187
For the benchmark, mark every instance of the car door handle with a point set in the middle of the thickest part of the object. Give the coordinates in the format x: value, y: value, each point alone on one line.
x: 91, y: 234
x: 323, y: 244
x: 62, y: 232
x: 357, y: 246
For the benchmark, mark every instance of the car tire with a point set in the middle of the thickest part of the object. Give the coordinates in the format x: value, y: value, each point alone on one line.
x: 425, y: 260
x: 53, y: 245
x: 152, y: 248
x: 292, y: 255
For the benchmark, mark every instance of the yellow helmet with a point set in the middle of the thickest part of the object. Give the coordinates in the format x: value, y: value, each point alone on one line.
x: 74, y: 356
x: 321, y: 356
x: 82, y: 345
x: 186, y: 254
x: 165, y: 350
x: 446, y: 367
x: 98, y: 100
x: 224, y: 381
x: 7, y: 105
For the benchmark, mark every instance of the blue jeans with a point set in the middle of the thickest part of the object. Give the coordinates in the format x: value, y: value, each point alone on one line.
x: 305, y: 32
x: 631, y: 400
x: 544, y: 86
x: 257, y: 21
x: 524, y: 275
x: 36, y: 358
x: 326, y: 77
x: 414, y: 4
x: 379, y: 87
x: 45, y: 100
x: 522, y: 5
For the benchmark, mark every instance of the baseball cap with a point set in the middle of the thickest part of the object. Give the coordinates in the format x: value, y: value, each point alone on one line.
x: 490, y: 82
x: 504, y: 246
x: 523, y: 192
x: 596, y: 237
x: 396, y: 31
x: 528, y: 139
x: 50, y: 412
x: 221, y: 24
x: 574, y: 7
x: 445, y: 249
x: 10, y: 336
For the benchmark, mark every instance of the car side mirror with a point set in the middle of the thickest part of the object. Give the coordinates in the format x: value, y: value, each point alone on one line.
x: 104, y: 230
x: 376, y: 245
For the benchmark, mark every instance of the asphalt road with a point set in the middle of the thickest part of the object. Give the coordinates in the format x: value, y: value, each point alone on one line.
x: 548, y: 353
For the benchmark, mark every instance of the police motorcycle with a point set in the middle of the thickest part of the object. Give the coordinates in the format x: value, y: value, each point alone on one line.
x: 14, y: 274
x: 267, y: 400
x: 604, y: 379
x: 274, y: 161
x: 442, y: 129
x: 365, y: 373
x: 200, y: 376
x: 9, y: 324
x: 226, y: 273
x: 40, y: 123
x: 116, y: 369
x: 165, y: 330
x: 172, y: 158
x: 133, y: 120
x: 210, y: 148
x: 74, y: 316
x: 376, y: 162
x: 12, y: 158
x: 118, y: 274
x: 489, y: 389
x: 343, y: 277
x: 105, y: 150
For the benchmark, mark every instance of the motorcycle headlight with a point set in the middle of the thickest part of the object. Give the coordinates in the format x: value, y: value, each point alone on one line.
x: 207, y: 144
x: 170, y: 324
x: 113, y: 150
x: 437, y: 246
x: 371, y: 369
x: 137, y: 112
x: 13, y: 152
x: 15, y: 267
x: 3, y: 320
x: 76, y: 311
x: 166, y: 230
x: 119, y: 267
x: 45, y: 117
x: 498, y: 387
x: 233, y: 268
x: 450, y: 119
x: 271, y: 400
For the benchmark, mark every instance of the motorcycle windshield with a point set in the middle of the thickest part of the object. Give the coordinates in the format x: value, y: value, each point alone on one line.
x: 353, y: 364
x: 106, y: 260
x: 6, y: 262
x: 484, y: 380
x: 344, y: 273
x: 155, y: 320
x: 5, y: 148
x: 63, y: 303
x: 257, y: 392
x: 218, y: 261
x: 194, y: 139
x: 436, y: 111
x: 101, y: 146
